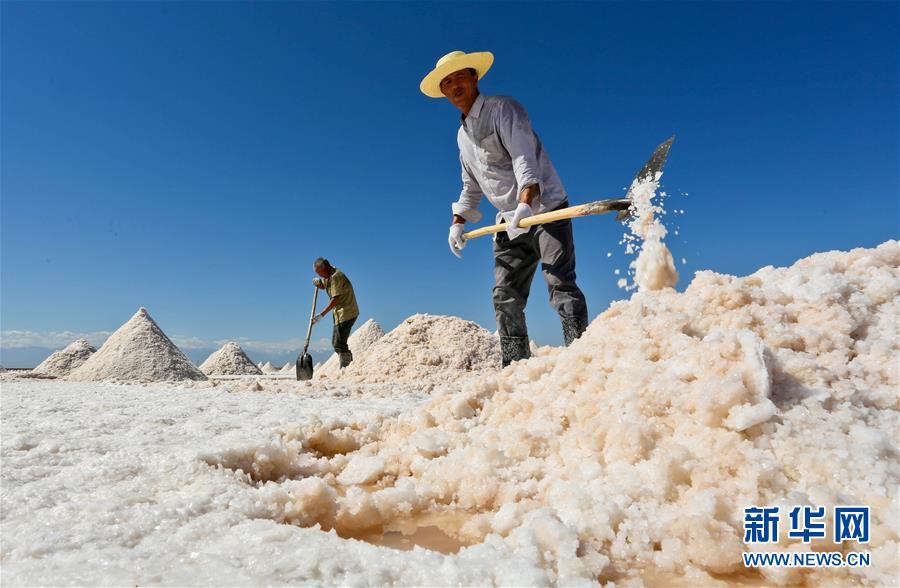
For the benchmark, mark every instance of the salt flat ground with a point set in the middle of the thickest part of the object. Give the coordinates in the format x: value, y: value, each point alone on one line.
x: 105, y: 484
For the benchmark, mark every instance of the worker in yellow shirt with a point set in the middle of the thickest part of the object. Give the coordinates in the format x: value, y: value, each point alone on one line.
x: 343, y: 304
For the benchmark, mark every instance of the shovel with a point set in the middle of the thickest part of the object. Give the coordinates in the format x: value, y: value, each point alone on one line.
x: 653, y: 166
x: 304, y: 361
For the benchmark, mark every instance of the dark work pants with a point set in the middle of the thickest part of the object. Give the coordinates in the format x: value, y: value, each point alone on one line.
x: 339, y: 338
x: 515, y: 261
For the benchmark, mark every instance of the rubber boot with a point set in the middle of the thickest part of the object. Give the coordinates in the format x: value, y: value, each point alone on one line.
x: 345, y: 357
x: 513, y: 349
x: 573, y: 327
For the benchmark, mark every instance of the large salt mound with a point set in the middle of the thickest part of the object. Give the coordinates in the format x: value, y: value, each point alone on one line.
x: 60, y: 363
x: 427, y: 347
x: 230, y: 360
x: 359, y: 342
x: 632, y: 453
x: 138, y: 352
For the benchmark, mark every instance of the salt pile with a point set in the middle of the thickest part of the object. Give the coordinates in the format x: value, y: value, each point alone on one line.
x: 230, y: 360
x: 633, y: 452
x: 287, y: 368
x: 139, y: 352
x: 359, y: 342
x: 60, y: 363
x: 427, y: 347
x: 268, y: 368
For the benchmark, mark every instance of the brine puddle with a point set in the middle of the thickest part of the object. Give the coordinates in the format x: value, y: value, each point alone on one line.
x: 433, y: 531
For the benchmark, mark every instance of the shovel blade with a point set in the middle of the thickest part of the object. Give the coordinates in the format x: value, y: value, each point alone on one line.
x: 304, y: 367
x: 654, y: 165
x: 651, y: 169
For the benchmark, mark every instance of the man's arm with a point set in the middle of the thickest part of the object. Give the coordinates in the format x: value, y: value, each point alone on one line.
x: 530, y: 193
x: 466, y: 207
x: 338, y: 285
x: 334, y: 302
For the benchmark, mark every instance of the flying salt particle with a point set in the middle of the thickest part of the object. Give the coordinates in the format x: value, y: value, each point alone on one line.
x: 683, y: 260
x: 608, y: 254
x: 616, y: 272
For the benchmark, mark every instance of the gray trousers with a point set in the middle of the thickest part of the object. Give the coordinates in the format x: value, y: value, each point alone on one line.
x: 515, y: 261
x: 339, y: 337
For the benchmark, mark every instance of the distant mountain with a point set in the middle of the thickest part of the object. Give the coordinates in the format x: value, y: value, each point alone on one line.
x: 24, y: 357
x: 29, y: 357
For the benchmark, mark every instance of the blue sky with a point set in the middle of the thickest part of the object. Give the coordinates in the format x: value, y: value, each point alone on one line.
x: 195, y: 157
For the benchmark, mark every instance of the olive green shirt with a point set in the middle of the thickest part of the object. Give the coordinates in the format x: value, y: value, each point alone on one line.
x: 339, y: 285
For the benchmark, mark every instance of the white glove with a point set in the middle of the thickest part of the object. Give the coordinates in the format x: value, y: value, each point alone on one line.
x: 522, y: 212
x: 513, y: 217
x: 318, y: 282
x: 316, y: 318
x: 456, y: 239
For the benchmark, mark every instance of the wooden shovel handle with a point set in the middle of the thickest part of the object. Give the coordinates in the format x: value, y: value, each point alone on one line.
x: 311, y: 315
x: 596, y: 207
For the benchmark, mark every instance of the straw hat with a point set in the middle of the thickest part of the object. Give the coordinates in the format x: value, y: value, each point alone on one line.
x: 451, y: 62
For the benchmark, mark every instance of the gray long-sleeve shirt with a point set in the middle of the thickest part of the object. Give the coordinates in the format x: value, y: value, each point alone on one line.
x: 500, y: 154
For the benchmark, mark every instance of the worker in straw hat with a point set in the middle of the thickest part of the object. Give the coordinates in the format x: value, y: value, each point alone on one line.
x: 503, y: 158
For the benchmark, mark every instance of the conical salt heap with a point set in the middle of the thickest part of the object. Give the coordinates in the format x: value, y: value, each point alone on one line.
x: 230, y: 360
x: 359, y: 342
x: 138, y: 352
x: 60, y: 363
x: 268, y: 368
x: 427, y: 347
x: 631, y: 455
x: 287, y: 368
